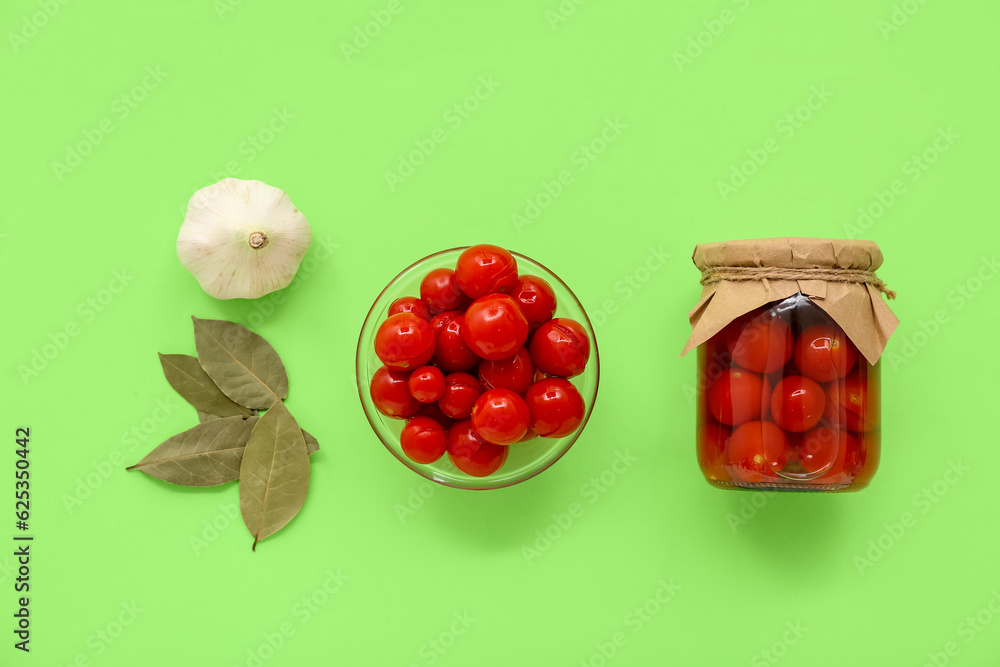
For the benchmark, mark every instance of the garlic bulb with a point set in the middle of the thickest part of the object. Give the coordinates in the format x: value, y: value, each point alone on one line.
x: 242, y: 239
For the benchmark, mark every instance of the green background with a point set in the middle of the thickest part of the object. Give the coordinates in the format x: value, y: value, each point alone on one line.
x: 886, y: 80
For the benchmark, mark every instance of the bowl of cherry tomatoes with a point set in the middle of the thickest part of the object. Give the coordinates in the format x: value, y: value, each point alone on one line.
x: 477, y: 367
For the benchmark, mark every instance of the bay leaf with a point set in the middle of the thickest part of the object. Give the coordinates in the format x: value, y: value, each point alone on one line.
x: 312, y: 444
x: 274, y: 473
x: 205, y: 416
x: 243, y: 365
x: 190, y: 380
x: 207, y: 455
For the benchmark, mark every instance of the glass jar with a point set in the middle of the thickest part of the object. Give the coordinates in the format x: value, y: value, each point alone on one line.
x: 789, y: 332
x: 786, y: 402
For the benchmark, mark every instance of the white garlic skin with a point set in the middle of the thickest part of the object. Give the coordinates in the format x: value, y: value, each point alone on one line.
x: 221, y: 244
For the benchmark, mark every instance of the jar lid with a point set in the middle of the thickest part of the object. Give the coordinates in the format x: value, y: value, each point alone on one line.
x: 791, y: 253
x: 837, y: 275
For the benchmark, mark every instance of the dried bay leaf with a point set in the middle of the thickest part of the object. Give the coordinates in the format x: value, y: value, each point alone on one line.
x: 236, y: 374
x: 207, y: 455
x: 312, y: 444
x: 274, y: 473
x: 205, y: 416
x: 243, y: 365
x: 190, y: 380
x: 147, y: 466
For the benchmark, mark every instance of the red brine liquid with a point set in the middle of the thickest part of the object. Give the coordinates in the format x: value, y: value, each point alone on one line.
x: 786, y: 402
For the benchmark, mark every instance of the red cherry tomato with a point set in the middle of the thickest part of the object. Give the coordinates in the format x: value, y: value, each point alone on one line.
x: 536, y: 299
x: 433, y: 410
x: 560, y: 347
x: 528, y: 435
x: 423, y: 440
x: 461, y: 391
x: 426, y: 384
x: 736, y: 396
x: 713, y: 441
x: 834, y: 415
x: 713, y: 358
x: 391, y: 394
x: 515, y: 373
x: 439, y: 290
x: 760, y: 343
x: 765, y: 396
x: 471, y: 454
x: 757, y: 451
x: 857, y: 405
x: 797, y: 403
x: 866, y: 458
x: 500, y: 417
x: 818, y: 449
x: 410, y: 304
x: 556, y: 407
x: 485, y: 269
x: 494, y: 327
x: 451, y: 352
x: 824, y: 353
x: 404, y: 342
x: 439, y: 321
x: 849, y: 457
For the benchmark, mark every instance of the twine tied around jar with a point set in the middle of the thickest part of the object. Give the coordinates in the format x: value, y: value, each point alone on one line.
x: 715, y: 274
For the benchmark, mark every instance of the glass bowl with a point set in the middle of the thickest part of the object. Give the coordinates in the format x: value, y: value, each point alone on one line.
x: 526, y: 459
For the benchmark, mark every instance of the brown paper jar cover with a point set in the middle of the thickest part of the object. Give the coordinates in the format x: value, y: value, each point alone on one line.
x: 827, y: 271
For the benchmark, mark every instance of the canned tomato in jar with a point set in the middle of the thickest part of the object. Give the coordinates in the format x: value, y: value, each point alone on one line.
x: 789, y: 332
